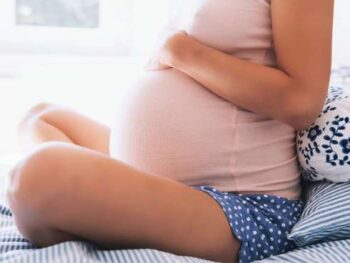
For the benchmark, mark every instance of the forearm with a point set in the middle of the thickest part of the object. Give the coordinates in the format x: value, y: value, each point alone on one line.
x: 264, y: 90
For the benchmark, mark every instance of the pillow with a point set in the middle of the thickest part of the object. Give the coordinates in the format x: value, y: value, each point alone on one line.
x: 324, y: 148
x: 326, y: 216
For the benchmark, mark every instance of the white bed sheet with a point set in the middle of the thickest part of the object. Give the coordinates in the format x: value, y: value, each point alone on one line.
x: 6, y: 163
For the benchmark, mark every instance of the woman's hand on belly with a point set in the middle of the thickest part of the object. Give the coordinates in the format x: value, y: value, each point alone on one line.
x: 162, y: 56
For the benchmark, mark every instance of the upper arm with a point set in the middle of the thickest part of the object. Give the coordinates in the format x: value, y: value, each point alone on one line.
x: 302, y: 32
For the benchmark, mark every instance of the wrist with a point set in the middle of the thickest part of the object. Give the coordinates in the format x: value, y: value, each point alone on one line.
x: 181, y: 50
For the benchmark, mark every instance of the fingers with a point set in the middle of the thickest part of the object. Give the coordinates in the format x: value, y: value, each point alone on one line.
x: 160, y: 55
x: 154, y: 64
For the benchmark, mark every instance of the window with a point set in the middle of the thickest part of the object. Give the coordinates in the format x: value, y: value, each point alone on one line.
x: 59, y: 13
x: 68, y: 27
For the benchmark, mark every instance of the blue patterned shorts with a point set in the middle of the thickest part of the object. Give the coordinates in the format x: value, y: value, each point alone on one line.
x: 260, y: 222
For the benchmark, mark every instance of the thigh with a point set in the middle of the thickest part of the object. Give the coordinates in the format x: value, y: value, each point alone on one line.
x: 81, y: 129
x: 100, y: 199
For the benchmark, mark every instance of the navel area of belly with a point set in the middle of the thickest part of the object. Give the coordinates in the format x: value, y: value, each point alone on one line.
x: 167, y: 123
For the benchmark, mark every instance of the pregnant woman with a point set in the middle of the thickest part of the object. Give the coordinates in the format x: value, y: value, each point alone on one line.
x: 201, y: 160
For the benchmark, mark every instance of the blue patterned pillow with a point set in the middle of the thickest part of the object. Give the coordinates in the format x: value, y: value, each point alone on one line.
x: 324, y: 148
x: 326, y: 216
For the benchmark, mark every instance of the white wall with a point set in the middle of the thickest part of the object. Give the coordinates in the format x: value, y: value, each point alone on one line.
x: 341, y: 50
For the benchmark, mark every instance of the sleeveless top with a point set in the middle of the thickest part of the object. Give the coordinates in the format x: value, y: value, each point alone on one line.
x: 167, y: 124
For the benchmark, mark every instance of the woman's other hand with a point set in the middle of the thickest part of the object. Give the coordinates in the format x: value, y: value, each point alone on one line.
x: 163, y: 55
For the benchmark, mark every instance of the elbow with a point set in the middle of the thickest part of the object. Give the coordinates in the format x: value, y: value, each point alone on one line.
x: 301, y: 115
x: 301, y: 121
x: 304, y: 101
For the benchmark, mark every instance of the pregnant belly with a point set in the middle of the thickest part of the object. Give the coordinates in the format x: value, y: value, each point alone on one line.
x: 168, y: 124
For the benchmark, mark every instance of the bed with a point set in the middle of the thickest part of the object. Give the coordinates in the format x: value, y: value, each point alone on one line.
x: 15, y: 249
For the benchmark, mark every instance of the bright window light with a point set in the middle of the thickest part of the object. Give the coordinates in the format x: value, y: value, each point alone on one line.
x: 81, y: 27
x: 58, y: 13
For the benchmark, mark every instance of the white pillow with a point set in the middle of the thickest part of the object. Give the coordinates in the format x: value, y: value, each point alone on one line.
x: 324, y: 148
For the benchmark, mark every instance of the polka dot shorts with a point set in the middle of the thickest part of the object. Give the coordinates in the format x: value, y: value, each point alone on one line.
x: 260, y: 222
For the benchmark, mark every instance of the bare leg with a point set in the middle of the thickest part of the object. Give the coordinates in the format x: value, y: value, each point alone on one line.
x: 62, y: 191
x: 46, y: 122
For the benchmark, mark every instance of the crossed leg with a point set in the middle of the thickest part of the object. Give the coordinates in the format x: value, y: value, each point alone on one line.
x: 47, y: 122
x: 62, y: 192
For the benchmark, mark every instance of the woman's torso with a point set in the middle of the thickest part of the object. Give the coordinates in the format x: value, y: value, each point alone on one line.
x: 168, y: 124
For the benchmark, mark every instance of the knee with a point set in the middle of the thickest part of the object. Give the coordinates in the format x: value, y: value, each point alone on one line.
x: 33, y: 188
x: 35, y: 113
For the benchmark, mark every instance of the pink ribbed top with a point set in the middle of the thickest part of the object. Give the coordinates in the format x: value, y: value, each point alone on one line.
x: 168, y: 124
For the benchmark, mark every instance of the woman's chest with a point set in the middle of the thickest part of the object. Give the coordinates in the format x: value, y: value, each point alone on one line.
x: 227, y: 25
